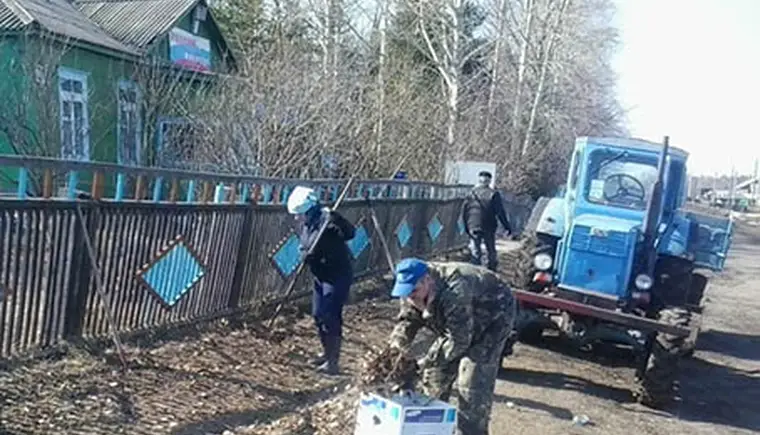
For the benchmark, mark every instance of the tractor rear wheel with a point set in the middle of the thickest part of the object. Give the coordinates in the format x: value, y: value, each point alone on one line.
x: 694, y: 304
x: 679, y: 285
x: 656, y: 380
x: 696, y: 291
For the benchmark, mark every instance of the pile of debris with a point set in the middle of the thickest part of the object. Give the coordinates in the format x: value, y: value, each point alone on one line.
x: 388, y: 371
x: 383, y: 372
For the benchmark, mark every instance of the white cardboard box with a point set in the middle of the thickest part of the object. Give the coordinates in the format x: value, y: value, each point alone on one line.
x: 404, y: 415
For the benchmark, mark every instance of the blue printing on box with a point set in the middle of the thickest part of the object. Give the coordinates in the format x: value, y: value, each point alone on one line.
x: 424, y: 416
x: 373, y: 403
x: 451, y: 416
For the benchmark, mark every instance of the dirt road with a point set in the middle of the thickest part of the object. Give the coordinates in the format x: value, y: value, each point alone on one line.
x: 234, y: 381
x: 542, y: 389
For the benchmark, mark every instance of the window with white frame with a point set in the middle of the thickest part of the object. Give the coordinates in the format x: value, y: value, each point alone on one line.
x: 129, y: 123
x: 176, y: 144
x: 75, y: 128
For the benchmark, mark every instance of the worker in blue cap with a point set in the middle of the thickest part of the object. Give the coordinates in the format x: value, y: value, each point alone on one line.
x: 331, y: 264
x: 472, y: 311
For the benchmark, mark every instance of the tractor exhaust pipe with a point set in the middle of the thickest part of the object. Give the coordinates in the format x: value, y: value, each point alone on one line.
x: 653, y: 208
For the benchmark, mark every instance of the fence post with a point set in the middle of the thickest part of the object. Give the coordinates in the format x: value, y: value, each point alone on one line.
x: 81, y: 270
x: 243, y: 254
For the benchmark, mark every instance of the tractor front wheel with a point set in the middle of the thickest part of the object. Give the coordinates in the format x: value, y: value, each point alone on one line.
x: 655, y: 381
x: 518, y: 265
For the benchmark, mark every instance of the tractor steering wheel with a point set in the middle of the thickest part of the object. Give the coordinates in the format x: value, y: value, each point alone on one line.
x: 634, y: 190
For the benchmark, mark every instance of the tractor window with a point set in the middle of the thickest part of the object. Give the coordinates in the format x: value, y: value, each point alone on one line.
x: 674, y: 189
x: 620, y: 179
x: 575, y: 171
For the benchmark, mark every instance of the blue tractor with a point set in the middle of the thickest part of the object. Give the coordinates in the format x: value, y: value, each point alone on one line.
x: 615, y: 259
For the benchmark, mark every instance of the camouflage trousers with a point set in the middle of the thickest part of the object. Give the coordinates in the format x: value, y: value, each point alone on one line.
x: 475, y: 377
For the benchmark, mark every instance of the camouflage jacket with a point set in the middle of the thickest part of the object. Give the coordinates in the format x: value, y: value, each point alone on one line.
x: 467, y: 300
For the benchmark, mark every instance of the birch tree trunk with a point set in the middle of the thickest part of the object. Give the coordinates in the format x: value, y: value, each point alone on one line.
x: 546, y: 59
x: 501, y: 20
x: 525, y: 34
x: 382, y: 29
x: 447, y: 56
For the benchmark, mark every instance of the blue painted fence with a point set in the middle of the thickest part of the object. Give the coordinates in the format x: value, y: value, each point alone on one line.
x: 176, y: 247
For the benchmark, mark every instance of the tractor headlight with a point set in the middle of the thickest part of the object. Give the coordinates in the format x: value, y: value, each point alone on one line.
x: 542, y: 261
x: 643, y: 281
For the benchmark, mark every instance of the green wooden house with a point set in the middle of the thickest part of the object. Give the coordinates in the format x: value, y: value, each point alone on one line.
x: 76, y: 76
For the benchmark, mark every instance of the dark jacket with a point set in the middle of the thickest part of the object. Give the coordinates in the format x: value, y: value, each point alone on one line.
x: 481, y: 209
x: 331, y: 259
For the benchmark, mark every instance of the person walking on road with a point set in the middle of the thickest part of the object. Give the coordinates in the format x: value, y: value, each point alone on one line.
x: 480, y: 211
x: 330, y: 263
x: 472, y: 312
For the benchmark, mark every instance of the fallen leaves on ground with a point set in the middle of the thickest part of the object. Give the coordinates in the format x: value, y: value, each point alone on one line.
x: 220, y: 381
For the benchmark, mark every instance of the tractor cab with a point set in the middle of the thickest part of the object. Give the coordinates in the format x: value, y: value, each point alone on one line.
x: 612, y: 192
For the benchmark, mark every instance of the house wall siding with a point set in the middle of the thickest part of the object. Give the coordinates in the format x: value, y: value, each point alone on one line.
x: 103, y: 76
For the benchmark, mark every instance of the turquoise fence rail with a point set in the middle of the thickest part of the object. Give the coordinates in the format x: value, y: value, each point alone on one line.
x: 47, y: 178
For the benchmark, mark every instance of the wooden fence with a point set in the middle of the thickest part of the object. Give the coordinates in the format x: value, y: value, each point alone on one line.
x: 176, y: 246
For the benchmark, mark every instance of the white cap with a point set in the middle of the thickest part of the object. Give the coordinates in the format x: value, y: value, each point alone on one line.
x: 301, y: 200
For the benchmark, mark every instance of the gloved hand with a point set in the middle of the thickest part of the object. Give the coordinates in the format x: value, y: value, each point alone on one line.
x: 422, y: 363
x: 332, y: 227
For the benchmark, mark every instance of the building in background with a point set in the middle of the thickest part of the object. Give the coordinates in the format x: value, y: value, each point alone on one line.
x: 106, y: 80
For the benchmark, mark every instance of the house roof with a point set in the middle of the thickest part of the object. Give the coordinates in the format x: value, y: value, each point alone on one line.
x: 135, y: 22
x: 59, y: 17
x: 9, y: 20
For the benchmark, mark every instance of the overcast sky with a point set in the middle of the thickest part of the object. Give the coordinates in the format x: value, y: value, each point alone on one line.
x: 690, y: 69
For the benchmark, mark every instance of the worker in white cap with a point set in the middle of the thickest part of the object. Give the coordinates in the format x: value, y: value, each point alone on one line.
x: 331, y: 264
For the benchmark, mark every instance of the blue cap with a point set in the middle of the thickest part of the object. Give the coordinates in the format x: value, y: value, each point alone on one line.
x: 408, y: 273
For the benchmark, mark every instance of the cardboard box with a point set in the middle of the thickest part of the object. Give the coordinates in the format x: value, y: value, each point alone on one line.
x: 404, y: 415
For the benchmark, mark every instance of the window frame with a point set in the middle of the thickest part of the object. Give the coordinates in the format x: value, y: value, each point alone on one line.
x: 128, y: 85
x: 160, y: 139
x: 634, y: 158
x: 74, y: 97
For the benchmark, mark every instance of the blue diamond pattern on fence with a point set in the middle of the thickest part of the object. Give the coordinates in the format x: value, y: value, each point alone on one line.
x: 359, y: 243
x: 460, y: 225
x: 434, y: 228
x: 403, y: 232
x: 288, y: 255
x: 174, y: 273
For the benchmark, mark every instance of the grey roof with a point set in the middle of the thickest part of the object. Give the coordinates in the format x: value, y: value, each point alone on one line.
x: 9, y: 20
x: 135, y: 22
x: 59, y: 17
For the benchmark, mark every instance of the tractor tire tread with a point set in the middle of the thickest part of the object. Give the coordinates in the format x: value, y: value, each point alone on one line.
x: 655, y: 386
x: 519, y: 261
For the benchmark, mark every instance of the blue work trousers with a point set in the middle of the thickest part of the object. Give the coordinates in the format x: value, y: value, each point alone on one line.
x: 327, y: 306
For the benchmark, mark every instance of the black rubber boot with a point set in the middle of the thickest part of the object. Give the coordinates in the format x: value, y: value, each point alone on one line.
x: 332, y: 351
x: 318, y: 360
x: 322, y: 357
